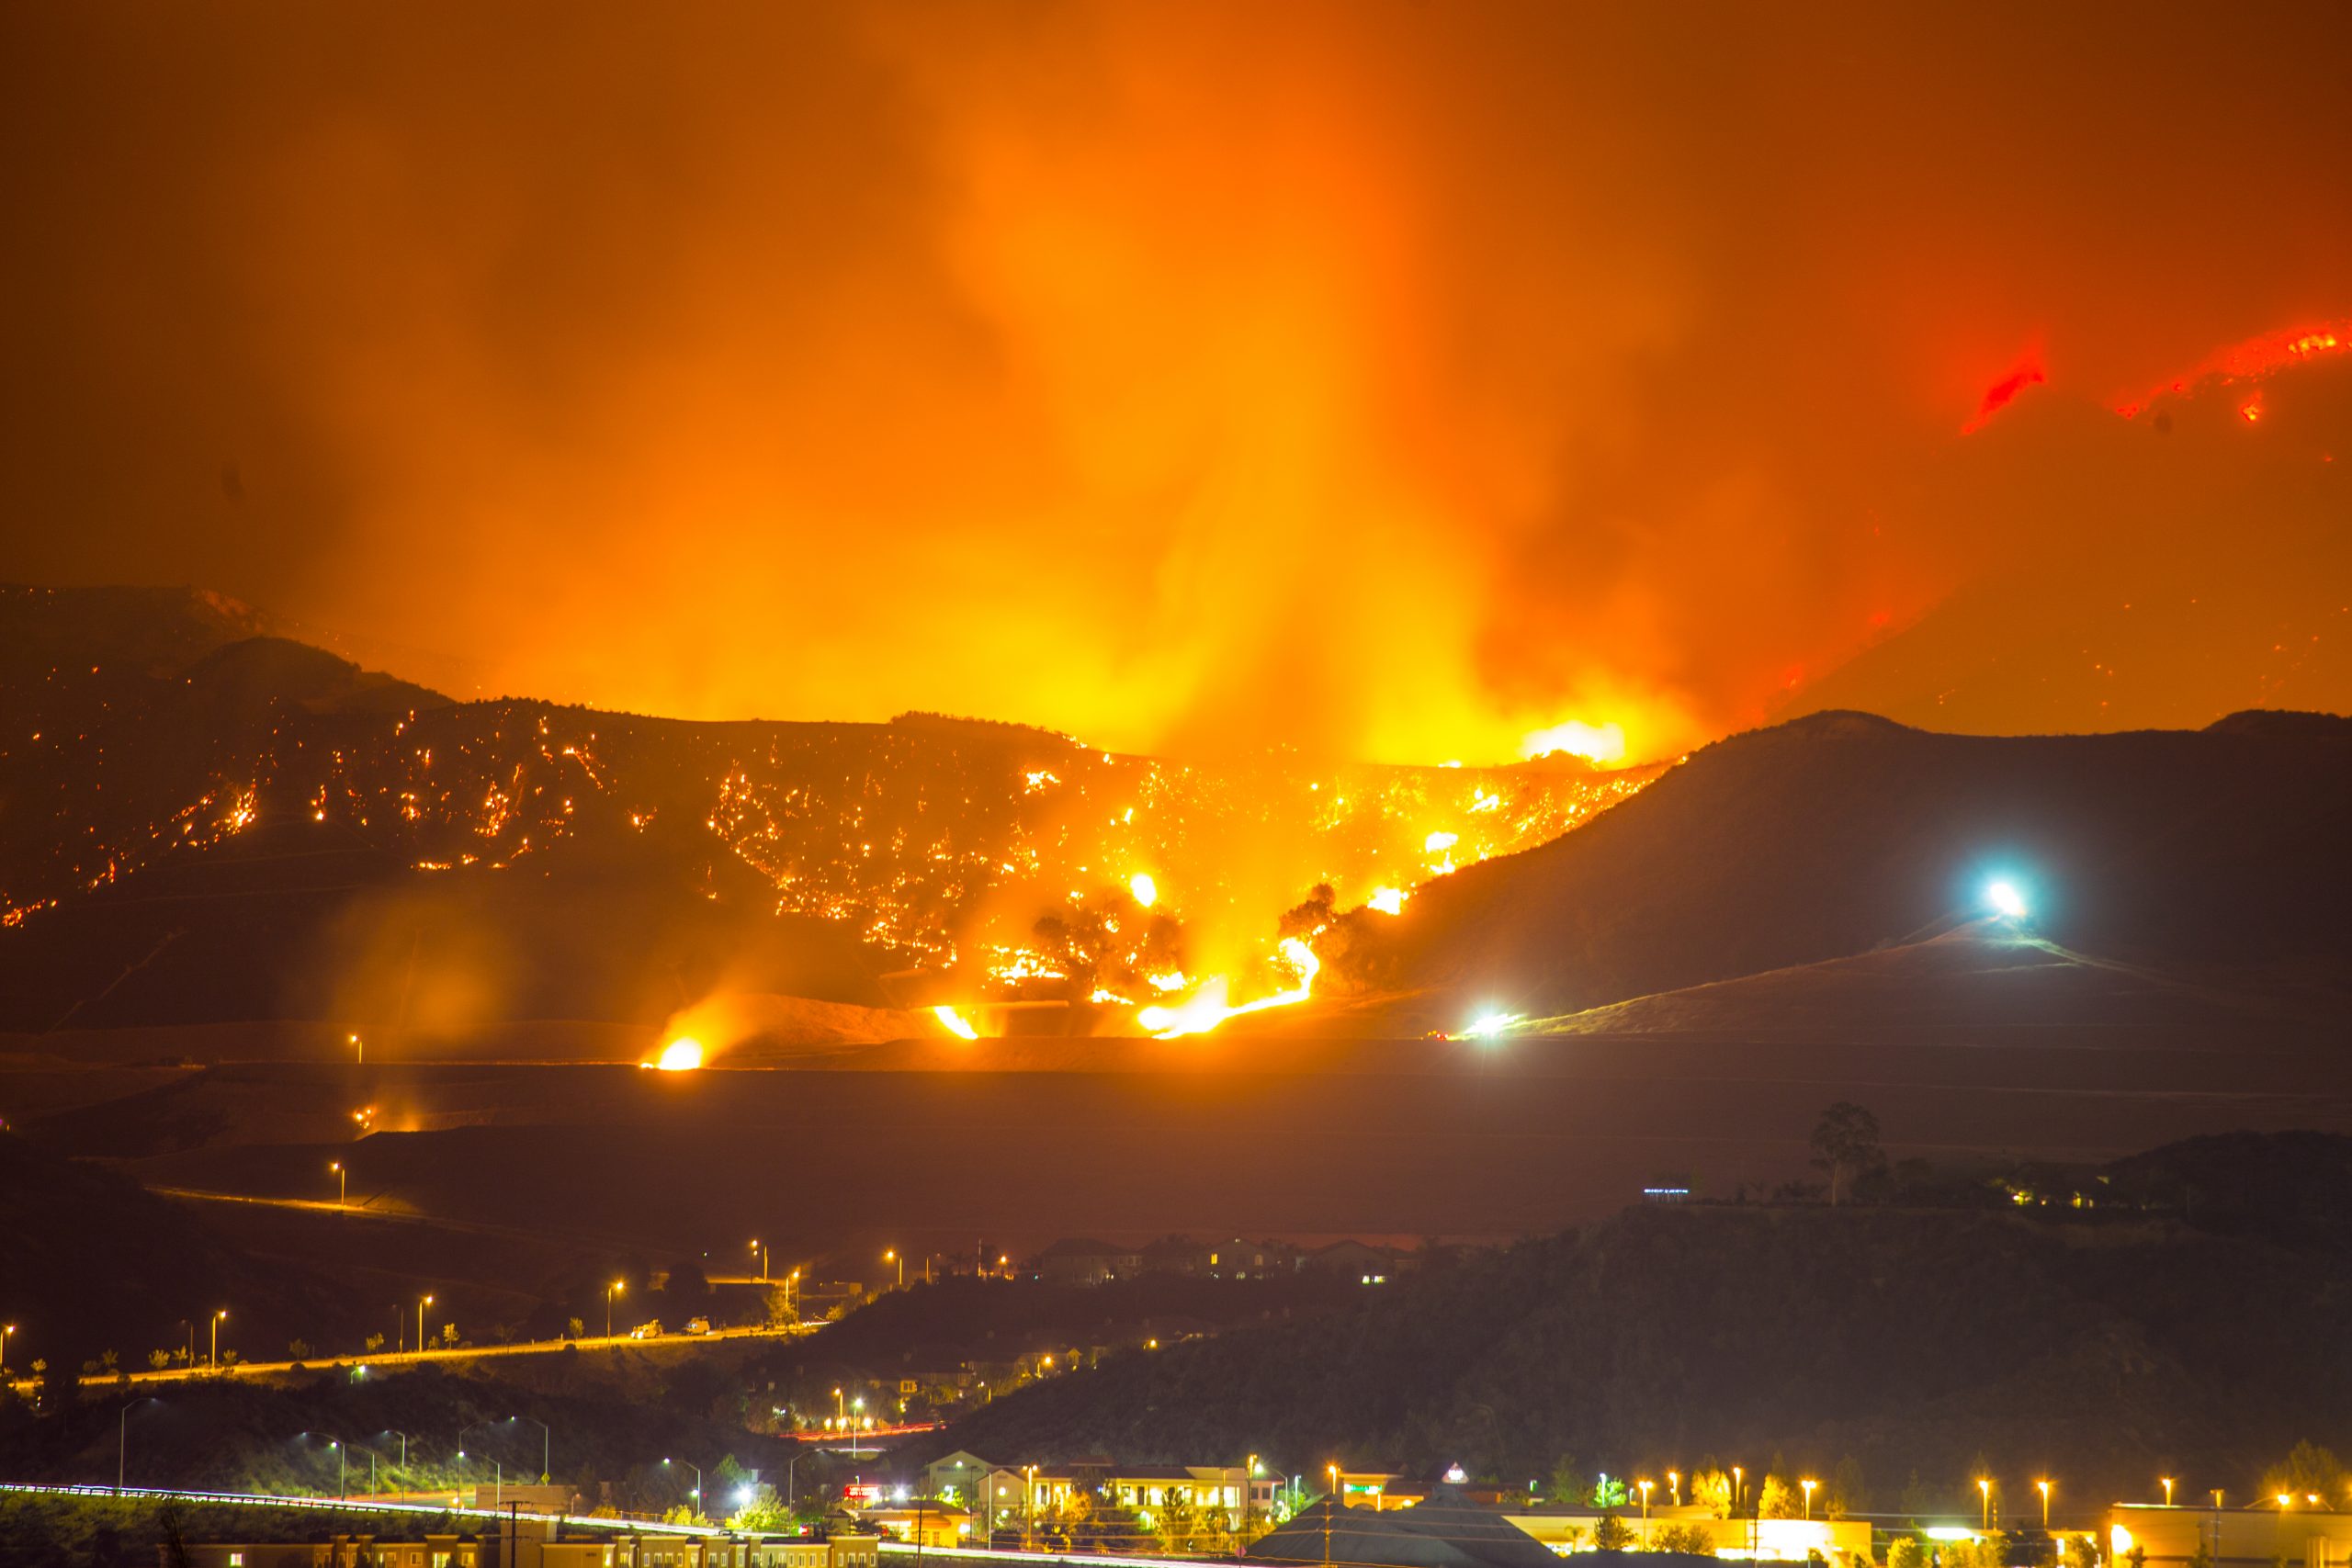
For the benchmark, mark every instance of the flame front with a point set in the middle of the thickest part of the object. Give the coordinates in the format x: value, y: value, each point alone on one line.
x: 682, y: 1054
x: 1205, y: 1009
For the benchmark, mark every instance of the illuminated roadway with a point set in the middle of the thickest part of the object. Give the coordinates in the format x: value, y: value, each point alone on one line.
x: 411, y: 1357
x: 497, y: 1515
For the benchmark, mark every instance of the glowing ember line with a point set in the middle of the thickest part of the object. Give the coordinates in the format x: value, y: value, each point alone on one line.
x: 2251, y: 360
x: 1199, y: 1014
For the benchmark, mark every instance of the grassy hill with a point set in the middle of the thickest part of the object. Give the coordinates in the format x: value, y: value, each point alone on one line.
x: 2104, y: 1347
x: 94, y: 1263
x: 1840, y: 833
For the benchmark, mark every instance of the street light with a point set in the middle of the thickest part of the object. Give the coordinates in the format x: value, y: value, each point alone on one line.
x: 396, y: 1432
x: 422, y: 1302
x: 6, y: 1330
x: 341, y: 1177
x: 1674, y: 1485
x: 343, y: 1462
x: 2044, y: 1486
x: 2168, y: 1481
x: 891, y: 1256
x: 764, y: 1258
x: 615, y: 1288
x: 857, y: 1405
x: 1985, y: 1493
x: 497, y: 1470
x: 1738, y: 1475
x: 1808, y: 1484
x: 697, y: 1493
x: 547, y: 1444
x: 1645, y: 1486
x: 217, y: 1318
x: 122, y: 1436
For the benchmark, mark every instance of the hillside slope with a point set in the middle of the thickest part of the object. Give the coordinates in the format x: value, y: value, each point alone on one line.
x: 212, y: 822
x: 1839, y: 833
x: 1984, y: 976
x: 93, y: 1263
x: 1915, y: 1341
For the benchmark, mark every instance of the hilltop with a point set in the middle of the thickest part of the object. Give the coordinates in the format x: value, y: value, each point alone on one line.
x: 2196, y: 853
x: 2111, y: 1340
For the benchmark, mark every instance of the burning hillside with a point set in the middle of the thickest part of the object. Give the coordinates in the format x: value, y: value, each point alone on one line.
x: 990, y: 864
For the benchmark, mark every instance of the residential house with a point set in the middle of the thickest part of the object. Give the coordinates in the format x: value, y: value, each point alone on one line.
x: 1078, y: 1262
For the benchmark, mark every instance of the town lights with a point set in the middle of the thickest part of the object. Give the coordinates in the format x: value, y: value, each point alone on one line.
x: 2007, y: 901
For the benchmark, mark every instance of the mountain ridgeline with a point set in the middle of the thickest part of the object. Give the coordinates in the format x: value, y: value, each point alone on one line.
x: 2222, y: 851
x: 2110, y: 1343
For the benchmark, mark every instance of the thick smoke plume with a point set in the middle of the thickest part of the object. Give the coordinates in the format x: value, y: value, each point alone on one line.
x: 1390, y: 380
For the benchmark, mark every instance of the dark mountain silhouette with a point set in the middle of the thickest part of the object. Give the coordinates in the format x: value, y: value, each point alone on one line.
x: 1835, y: 835
x: 2112, y: 1337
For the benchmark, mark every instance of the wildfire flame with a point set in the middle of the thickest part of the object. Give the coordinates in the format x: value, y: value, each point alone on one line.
x: 1146, y: 891
x: 2251, y: 360
x: 682, y: 1054
x: 1206, y: 1009
x: 1593, y: 742
x: 956, y: 1023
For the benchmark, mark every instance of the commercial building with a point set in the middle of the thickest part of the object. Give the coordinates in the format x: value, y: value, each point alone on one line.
x: 2296, y: 1533
x: 919, y: 1524
x: 1567, y: 1530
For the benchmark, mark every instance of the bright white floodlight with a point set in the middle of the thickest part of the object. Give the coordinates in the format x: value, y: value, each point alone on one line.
x: 2007, y: 901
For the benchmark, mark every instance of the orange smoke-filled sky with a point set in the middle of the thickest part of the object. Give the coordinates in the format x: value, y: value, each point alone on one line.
x: 1386, y: 378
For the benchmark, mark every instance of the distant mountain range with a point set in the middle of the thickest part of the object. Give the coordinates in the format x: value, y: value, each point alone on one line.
x: 211, y: 823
